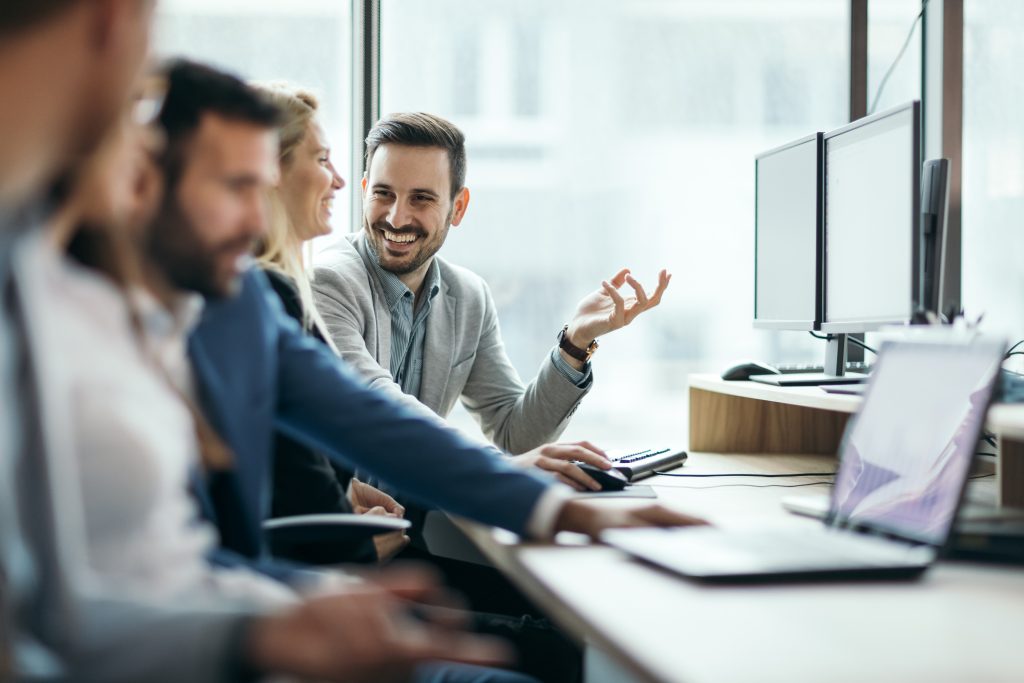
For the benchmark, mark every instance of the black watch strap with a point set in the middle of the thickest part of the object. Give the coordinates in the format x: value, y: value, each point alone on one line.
x: 582, y: 355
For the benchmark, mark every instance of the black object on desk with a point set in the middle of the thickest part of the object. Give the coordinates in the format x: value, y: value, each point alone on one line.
x: 640, y: 464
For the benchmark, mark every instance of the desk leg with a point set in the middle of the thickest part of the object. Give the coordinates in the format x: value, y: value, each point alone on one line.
x: 720, y: 423
x: 1010, y: 473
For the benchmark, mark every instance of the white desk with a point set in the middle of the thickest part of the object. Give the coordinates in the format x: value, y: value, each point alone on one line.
x: 958, y: 623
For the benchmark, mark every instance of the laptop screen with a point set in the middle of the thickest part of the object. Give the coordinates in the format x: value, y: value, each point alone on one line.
x: 906, y: 456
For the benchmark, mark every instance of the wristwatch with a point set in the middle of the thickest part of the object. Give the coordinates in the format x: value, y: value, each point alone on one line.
x: 582, y: 355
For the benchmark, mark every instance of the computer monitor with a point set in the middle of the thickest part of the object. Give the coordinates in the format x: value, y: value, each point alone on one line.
x: 787, y: 236
x: 870, y: 219
x: 935, y: 247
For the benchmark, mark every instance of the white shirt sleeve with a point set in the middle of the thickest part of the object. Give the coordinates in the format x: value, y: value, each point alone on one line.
x: 541, y: 524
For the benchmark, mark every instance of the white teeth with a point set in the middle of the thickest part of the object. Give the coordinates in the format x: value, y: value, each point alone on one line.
x: 401, y: 239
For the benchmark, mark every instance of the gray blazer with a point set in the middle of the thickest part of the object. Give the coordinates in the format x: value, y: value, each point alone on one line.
x: 463, y: 353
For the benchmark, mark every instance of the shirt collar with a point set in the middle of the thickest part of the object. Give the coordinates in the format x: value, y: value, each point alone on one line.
x: 162, y: 322
x: 394, y: 288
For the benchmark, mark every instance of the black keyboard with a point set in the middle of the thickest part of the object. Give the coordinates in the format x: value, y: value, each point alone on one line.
x: 640, y: 464
x: 801, y: 368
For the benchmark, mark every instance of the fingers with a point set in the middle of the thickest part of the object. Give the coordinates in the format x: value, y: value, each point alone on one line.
x: 569, y: 473
x: 619, y: 278
x: 581, y: 451
x: 389, y: 545
x: 657, y: 515
x: 569, y: 482
x: 431, y: 643
x: 620, y: 305
x: 641, y: 295
x: 592, y: 447
x: 411, y: 582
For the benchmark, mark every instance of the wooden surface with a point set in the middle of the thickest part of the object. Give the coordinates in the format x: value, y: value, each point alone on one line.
x: 725, y: 423
x: 960, y: 622
x: 748, y: 417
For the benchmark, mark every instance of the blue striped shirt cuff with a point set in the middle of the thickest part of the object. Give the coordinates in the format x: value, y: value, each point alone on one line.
x: 577, y: 377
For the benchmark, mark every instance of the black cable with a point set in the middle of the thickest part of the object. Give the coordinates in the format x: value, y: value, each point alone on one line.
x: 749, y: 486
x: 1012, y: 348
x: 990, y: 439
x: 850, y: 338
x: 861, y: 344
x: 772, y: 476
x: 899, y: 56
x: 1013, y: 353
x: 991, y: 455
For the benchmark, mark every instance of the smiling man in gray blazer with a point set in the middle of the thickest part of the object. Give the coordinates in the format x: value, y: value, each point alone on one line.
x: 415, y: 325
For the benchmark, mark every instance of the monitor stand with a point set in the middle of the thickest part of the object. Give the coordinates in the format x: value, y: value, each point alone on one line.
x: 835, y: 369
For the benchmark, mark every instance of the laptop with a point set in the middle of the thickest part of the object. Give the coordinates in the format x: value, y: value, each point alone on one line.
x: 904, y: 463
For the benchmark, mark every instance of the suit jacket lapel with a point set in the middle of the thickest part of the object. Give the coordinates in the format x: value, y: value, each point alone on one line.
x: 439, y: 350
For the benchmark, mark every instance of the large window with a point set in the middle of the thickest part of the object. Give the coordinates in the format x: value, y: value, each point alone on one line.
x: 993, y: 166
x: 304, y: 42
x: 604, y: 134
x: 889, y: 31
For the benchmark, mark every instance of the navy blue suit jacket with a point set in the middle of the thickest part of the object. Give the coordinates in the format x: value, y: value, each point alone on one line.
x: 257, y: 373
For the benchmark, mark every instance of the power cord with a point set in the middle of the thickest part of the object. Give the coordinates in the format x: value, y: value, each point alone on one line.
x: 899, y: 56
x: 745, y: 474
x: 749, y: 486
x: 850, y: 338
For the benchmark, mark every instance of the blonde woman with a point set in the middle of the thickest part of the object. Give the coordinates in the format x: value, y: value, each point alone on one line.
x: 306, y: 482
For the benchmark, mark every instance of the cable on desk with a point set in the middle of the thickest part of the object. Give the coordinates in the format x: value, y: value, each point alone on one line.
x: 746, y: 474
x: 750, y: 486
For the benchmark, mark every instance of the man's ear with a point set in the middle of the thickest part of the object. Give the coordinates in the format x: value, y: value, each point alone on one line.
x: 362, y: 183
x: 460, y: 205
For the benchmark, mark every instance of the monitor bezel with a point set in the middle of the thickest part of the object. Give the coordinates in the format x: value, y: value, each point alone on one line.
x: 802, y: 324
x: 869, y: 324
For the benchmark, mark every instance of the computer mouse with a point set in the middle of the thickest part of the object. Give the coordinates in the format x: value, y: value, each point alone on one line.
x: 610, y: 480
x: 743, y: 371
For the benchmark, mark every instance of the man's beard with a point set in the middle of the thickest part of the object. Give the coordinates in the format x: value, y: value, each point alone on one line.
x: 419, y: 258
x: 187, y: 263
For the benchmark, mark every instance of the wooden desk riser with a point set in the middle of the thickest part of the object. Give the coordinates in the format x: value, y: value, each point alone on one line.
x: 747, y: 417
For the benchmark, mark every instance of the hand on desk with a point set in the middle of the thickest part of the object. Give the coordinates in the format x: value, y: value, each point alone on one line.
x: 605, y: 310
x: 364, y: 633
x: 588, y: 518
x: 369, y: 500
x: 556, y: 458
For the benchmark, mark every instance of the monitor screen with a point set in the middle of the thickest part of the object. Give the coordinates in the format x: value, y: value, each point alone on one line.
x: 906, y: 455
x: 870, y: 217
x: 786, y: 236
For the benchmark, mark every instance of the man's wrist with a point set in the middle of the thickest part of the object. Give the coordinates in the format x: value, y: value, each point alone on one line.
x: 572, y: 348
x: 579, y: 517
x: 578, y: 338
x: 574, y: 363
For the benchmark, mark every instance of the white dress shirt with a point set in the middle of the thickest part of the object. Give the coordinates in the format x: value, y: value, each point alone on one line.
x: 135, y: 441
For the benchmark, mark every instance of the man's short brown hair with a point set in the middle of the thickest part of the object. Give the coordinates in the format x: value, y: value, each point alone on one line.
x: 18, y: 15
x: 417, y: 129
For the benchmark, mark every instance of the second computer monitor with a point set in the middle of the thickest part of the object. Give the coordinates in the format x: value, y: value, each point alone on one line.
x: 787, y: 230
x: 870, y: 221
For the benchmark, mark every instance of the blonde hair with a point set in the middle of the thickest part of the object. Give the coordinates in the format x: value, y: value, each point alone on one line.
x: 281, y: 249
